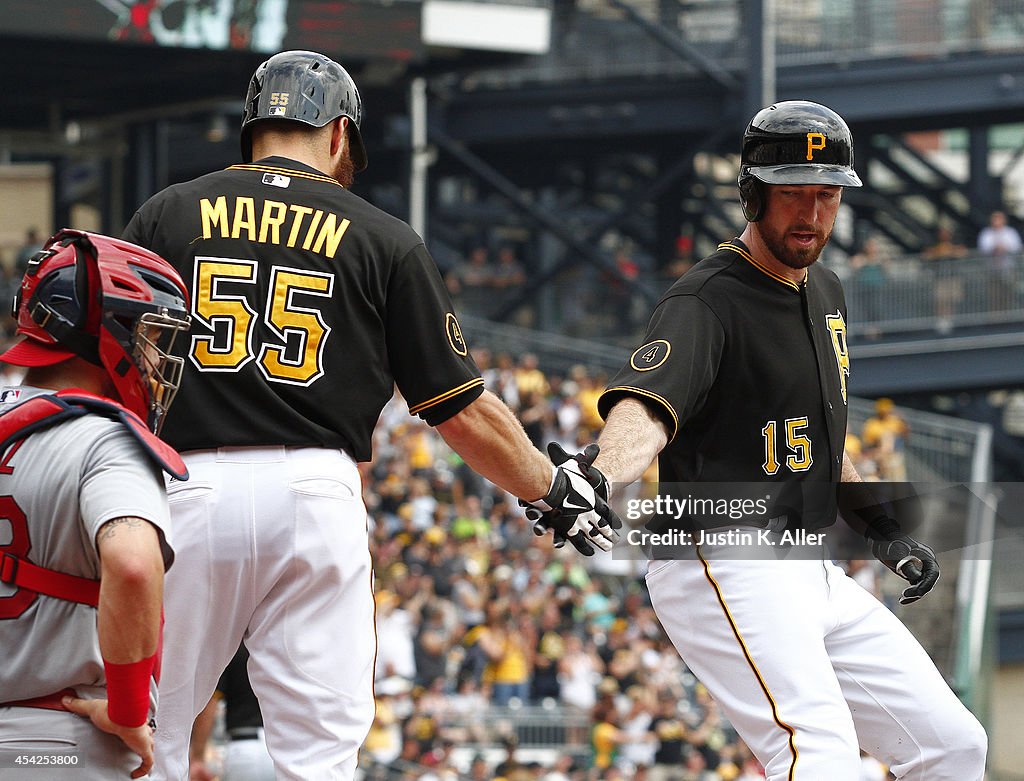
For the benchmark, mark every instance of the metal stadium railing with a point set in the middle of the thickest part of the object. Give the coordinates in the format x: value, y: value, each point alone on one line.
x: 551, y: 349
x: 402, y: 770
x: 540, y: 732
x: 904, y: 294
x: 533, y: 727
x: 912, y: 293
x: 950, y: 461
x: 807, y: 32
x: 939, y: 448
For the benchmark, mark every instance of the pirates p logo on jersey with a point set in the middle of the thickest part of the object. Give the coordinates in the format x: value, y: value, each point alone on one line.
x: 650, y: 356
x: 837, y: 329
x: 454, y: 331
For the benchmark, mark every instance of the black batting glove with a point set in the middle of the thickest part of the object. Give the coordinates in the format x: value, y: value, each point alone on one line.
x: 912, y: 561
x: 596, y: 524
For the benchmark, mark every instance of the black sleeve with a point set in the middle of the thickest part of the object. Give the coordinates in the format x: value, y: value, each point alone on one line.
x: 865, y: 513
x: 675, y: 367
x: 134, y: 231
x: 427, y: 351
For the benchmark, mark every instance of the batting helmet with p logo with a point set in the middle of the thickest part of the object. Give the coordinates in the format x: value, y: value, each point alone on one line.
x: 794, y: 142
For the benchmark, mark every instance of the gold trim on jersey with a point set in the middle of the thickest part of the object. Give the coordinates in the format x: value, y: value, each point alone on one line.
x: 656, y: 397
x: 761, y: 267
x: 373, y: 627
x: 274, y: 169
x: 750, y: 662
x: 445, y: 396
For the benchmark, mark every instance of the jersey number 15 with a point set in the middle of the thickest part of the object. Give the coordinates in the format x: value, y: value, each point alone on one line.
x: 797, y: 442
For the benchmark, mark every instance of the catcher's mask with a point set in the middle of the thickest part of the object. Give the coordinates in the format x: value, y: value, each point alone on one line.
x: 794, y: 142
x: 301, y: 86
x: 111, y: 303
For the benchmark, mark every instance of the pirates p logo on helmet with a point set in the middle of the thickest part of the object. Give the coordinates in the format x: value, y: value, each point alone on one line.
x: 794, y: 142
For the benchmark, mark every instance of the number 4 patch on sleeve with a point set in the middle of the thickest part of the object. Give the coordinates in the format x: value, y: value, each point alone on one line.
x: 650, y: 356
x: 454, y: 331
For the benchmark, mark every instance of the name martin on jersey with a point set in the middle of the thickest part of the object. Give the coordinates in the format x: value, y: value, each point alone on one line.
x: 272, y: 222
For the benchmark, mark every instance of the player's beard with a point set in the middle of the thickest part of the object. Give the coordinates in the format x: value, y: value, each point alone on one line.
x: 345, y: 170
x: 794, y: 257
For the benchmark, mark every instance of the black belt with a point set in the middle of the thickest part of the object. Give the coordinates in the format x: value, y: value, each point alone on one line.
x: 244, y: 733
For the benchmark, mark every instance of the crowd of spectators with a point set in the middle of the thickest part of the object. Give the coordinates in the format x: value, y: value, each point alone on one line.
x: 950, y: 277
x: 956, y: 278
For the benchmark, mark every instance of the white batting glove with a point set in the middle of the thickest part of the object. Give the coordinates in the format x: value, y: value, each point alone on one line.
x: 576, y: 482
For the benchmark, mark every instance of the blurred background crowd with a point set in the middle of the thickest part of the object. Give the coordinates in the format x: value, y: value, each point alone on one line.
x: 955, y: 279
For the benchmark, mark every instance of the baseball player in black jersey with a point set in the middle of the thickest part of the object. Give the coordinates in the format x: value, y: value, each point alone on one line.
x: 742, y: 378
x: 309, y: 305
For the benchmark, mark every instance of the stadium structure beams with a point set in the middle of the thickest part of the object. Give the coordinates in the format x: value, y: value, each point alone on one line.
x: 549, y: 222
x: 879, y: 96
x: 910, y: 230
x: 693, y: 104
x: 924, y: 94
x: 680, y: 47
x: 974, y: 214
x: 582, y: 113
x: 882, y: 99
x: 664, y: 182
x: 983, y: 360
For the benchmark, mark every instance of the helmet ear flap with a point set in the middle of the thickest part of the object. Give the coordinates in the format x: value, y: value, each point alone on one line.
x: 67, y: 309
x: 751, y: 197
x: 86, y: 279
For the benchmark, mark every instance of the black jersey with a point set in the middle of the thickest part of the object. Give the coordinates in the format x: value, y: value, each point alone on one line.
x: 748, y: 370
x: 308, y: 305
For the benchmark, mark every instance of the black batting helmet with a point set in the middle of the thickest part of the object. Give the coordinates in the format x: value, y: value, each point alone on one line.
x: 305, y: 87
x: 794, y: 142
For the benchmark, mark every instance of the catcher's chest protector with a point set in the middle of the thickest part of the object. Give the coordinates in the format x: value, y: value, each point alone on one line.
x: 41, y: 412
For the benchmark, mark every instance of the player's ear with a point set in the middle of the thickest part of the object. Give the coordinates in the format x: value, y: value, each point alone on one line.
x: 339, y: 135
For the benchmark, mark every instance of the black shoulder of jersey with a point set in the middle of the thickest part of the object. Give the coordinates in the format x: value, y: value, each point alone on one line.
x: 697, y: 278
x: 817, y: 274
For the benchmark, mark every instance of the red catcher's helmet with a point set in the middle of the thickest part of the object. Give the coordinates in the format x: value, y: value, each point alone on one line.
x: 111, y: 303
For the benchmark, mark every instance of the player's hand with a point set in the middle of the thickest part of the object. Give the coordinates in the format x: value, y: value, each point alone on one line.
x: 138, y: 739
x: 563, y: 510
x: 912, y: 561
x: 198, y: 770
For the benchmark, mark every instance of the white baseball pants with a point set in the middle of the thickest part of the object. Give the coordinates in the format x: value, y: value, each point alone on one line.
x: 271, y: 547
x: 809, y: 667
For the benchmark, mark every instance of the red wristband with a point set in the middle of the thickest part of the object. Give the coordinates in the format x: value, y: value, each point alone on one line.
x: 128, y: 691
